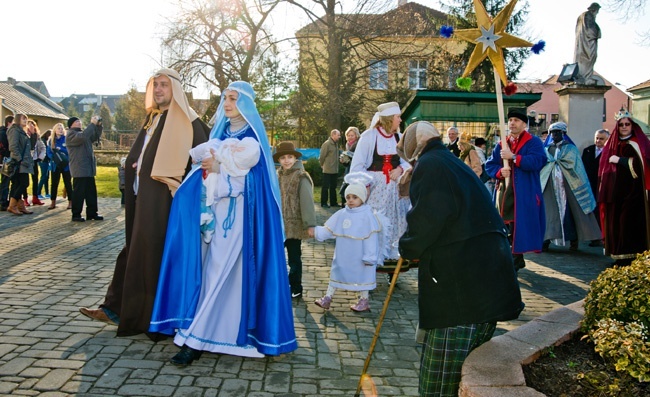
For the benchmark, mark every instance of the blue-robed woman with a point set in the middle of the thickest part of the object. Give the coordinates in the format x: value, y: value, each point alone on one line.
x: 223, y: 283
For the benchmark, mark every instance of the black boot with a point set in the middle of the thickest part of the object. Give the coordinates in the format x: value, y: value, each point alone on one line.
x: 519, y: 261
x: 185, y: 357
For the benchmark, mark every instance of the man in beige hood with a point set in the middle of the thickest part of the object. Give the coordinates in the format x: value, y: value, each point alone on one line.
x: 155, y: 167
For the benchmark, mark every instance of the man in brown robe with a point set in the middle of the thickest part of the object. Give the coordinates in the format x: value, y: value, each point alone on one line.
x: 155, y: 167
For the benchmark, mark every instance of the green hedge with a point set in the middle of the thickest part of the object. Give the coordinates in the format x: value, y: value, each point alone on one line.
x: 617, y: 317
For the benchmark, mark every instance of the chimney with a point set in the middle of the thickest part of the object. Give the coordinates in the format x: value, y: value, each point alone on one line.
x: 11, y: 80
x: 401, y: 2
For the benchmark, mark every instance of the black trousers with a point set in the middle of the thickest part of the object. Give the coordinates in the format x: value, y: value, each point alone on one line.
x: 4, y: 190
x: 35, y: 179
x: 19, y: 185
x: 84, y: 189
x: 67, y: 182
x: 294, y: 252
x: 329, y: 187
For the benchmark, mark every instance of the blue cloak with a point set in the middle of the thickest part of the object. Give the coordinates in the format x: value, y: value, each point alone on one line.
x: 530, y: 219
x: 267, y: 317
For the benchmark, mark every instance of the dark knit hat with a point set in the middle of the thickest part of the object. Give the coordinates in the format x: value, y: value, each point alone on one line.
x: 72, y: 120
x: 479, y: 141
x: 519, y: 113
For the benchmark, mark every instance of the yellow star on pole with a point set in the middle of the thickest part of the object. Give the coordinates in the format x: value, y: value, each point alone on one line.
x: 490, y: 39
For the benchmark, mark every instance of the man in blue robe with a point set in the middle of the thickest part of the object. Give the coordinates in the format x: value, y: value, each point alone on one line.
x: 519, y: 200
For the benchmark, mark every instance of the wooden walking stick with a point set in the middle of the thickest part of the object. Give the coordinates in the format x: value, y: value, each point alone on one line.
x: 381, y: 320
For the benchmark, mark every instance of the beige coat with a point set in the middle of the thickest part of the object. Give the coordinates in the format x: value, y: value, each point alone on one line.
x: 329, y: 157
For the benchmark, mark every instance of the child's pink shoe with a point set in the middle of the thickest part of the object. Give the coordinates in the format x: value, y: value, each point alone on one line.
x: 361, y: 306
x: 324, y: 302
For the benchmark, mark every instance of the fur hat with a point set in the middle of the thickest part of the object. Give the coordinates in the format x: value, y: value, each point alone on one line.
x: 285, y: 148
x: 71, y: 121
x: 519, y: 113
x: 358, y: 190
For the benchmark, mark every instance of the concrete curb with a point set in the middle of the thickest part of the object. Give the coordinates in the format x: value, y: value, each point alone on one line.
x: 494, y: 368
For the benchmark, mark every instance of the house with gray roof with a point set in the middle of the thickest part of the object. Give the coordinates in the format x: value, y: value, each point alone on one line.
x: 21, y: 97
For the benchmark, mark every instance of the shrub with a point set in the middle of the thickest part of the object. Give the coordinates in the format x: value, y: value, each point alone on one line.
x: 623, y: 344
x: 617, y: 316
x: 313, y: 167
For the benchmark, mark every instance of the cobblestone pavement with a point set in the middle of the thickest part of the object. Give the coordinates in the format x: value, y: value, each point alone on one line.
x: 50, y: 267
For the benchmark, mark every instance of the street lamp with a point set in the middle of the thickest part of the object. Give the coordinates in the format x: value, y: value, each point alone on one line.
x: 627, y: 106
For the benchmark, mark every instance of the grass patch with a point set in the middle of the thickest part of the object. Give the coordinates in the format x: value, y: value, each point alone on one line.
x: 107, y: 182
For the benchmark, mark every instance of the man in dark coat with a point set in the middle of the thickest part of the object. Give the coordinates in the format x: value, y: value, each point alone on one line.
x: 155, y: 167
x: 83, y: 167
x: 591, y: 160
x: 466, y: 279
x: 4, y: 152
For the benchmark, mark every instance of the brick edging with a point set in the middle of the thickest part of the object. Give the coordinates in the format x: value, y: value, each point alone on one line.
x: 494, y: 368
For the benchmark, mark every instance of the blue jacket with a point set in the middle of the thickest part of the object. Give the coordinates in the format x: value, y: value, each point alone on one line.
x: 530, y: 219
x: 59, y: 143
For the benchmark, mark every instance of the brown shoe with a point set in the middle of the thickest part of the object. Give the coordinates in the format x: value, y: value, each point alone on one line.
x: 13, y: 207
x: 96, y: 314
x: 52, y: 206
x: 21, y: 207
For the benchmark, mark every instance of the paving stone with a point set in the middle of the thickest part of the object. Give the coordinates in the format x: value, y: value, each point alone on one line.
x: 15, y: 366
x: 145, y: 390
x: 54, y: 379
x: 43, y: 337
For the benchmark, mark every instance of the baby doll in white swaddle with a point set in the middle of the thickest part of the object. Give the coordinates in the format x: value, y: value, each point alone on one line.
x: 233, y: 160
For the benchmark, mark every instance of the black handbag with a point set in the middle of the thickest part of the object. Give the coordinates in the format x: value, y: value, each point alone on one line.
x: 9, y: 167
x: 60, y: 159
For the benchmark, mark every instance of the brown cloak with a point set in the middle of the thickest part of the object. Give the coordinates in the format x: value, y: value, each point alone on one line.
x: 132, y: 291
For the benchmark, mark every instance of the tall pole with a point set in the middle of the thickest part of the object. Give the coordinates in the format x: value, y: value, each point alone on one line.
x: 502, y: 118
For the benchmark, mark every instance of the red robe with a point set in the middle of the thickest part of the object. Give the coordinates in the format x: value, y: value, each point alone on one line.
x: 623, y: 195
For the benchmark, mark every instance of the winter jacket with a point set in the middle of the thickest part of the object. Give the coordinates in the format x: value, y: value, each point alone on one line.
x: 20, y: 148
x: 80, y: 149
x: 59, y: 144
x: 329, y: 157
x: 466, y: 275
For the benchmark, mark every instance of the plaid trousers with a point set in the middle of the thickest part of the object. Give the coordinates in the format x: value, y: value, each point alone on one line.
x: 443, y: 354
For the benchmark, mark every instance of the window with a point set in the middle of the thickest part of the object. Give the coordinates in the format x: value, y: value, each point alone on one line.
x: 554, y: 118
x: 417, y: 75
x: 541, y: 120
x: 378, y: 74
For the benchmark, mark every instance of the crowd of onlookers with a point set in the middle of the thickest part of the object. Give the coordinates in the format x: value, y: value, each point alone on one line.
x: 44, y: 159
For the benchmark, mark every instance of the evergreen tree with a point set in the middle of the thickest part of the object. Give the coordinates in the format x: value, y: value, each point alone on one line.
x: 130, y: 112
x: 105, y: 114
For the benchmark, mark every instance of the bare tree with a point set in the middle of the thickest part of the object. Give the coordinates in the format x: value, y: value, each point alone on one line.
x: 631, y: 9
x: 218, y: 41
x: 337, y: 49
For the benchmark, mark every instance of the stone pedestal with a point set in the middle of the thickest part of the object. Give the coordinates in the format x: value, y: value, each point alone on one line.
x: 582, y: 107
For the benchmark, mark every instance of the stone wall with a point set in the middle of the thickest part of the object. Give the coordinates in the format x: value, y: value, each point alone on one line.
x: 110, y: 157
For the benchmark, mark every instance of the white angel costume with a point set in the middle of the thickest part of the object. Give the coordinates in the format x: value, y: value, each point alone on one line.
x: 360, y: 235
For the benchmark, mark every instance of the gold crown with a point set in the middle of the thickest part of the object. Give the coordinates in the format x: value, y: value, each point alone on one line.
x: 623, y: 113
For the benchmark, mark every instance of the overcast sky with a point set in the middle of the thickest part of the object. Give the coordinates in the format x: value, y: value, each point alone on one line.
x: 104, y: 47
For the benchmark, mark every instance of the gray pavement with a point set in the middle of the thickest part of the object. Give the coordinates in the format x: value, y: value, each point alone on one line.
x: 50, y: 266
